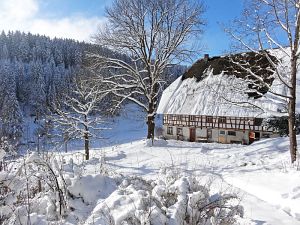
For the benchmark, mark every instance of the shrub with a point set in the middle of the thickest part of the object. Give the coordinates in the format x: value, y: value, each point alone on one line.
x: 172, y: 199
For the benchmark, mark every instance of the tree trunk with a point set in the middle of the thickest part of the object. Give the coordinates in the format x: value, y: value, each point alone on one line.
x: 151, y: 127
x: 150, y: 121
x: 151, y: 111
x: 86, y: 140
x: 292, y: 111
x: 86, y: 146
x: 66, y: 146
x: 292, y: 136
x: 37, y: 119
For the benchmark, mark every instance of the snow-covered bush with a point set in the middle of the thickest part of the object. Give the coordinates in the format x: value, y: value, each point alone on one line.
x: 90, y: 188
x: 6, y: 148
x: 32, y: 191
x: 280, y: 124
x: 169, y: 200
x: 37, y: 190
x: 45, y: 191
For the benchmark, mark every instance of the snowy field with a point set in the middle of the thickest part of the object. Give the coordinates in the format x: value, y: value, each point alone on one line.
x: 260, y: 173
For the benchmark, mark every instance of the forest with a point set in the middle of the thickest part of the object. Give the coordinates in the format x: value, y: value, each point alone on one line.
x: 37, y: 74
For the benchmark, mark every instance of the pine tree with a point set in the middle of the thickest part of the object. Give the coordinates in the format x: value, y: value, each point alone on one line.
x: 11, y: 118
x: 11, y: 114
x: 4, y: 55
x: 38, y: 94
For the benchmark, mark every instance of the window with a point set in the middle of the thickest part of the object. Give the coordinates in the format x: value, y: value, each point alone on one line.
x: 179, y: 131
x: 231, y: 133
x: 170, y: 130
x: 222, y: 119
x: 222, y: 132
x: 192, y: 118
x: 258, y: 121
x: 209, y: 119
x: 266, y: 135
x: 179, y: 117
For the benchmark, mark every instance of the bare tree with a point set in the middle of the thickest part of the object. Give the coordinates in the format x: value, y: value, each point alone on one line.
x: 271, y: 27
x: 153, y: 34
x: 77, y: 113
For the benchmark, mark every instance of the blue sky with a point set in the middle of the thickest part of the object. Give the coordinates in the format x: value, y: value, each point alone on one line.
x: 79, y: 19
x: 66, y: 8
x: 219, y: 12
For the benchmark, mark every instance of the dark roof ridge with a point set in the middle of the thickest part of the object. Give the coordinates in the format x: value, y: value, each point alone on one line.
x: 258, y: 63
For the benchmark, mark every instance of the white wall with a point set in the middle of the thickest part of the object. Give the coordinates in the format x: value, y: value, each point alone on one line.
x: 241, y: 136
x: 168, y: 136
x: 201, y: 135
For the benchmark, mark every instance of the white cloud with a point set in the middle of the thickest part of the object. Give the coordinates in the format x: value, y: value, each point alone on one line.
x: 18, y: 10
x: 23, y: 15
x: 78, y: 28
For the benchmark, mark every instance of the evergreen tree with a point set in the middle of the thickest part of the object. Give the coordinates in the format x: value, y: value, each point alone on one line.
x: 11, y: 114
x: 38, y: 94
x: 11, y: 118
x: 4, y: 55
x: 37, y: 72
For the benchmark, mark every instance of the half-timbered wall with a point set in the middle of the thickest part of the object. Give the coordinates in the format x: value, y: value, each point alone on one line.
x: 227, y: 123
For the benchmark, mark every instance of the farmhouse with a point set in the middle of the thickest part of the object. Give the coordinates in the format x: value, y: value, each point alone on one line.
x: 216, y: 100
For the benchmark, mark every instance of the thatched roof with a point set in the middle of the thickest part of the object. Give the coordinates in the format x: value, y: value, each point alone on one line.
x: 217, y: 86
x: 229, y: 65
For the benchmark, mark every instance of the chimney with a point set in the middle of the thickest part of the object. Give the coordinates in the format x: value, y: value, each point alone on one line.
x: 206, y: 57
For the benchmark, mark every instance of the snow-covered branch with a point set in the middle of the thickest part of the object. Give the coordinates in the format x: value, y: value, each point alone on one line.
x: 77, y: 114
x: 153, y: 34
x: 275, y: 26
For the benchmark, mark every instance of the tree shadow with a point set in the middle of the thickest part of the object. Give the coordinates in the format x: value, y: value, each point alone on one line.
x: 121, y: 155
x: 259, y: 222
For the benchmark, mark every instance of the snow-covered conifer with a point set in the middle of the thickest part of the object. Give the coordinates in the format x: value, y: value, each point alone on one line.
x: 11, y: 117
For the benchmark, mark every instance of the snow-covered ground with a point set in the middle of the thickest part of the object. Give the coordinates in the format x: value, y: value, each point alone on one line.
x: 260, y: 173
x: 129, y: 126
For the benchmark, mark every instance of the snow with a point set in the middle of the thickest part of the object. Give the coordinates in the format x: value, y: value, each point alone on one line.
x: 124, y: 172
x: 284, y: 196
x: 129, y: 126
x: 215, y: 95
x: 92, y: 187
x: 223, y: 95
x: 118, y: 181
x: 260, y: 173
x: 139, y: 200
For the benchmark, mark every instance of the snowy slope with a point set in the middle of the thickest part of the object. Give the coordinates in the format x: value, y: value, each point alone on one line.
x: 128, y: 126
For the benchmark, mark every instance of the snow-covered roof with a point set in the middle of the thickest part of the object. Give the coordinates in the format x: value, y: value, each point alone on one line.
x: 221, y: 95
